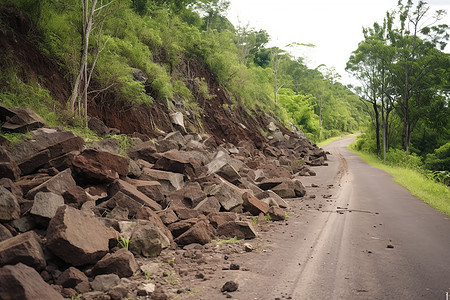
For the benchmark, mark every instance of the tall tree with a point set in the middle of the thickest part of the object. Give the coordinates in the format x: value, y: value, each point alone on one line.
x: 418, y: 41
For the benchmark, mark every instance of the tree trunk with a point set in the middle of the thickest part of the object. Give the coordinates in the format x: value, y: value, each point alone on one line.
x: 377, y: 128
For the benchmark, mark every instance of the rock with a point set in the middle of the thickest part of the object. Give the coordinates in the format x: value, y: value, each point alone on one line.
x: 217, y: 219
x: 229, y: 286
x: 145, y: 151
x: 97, y: 125
x: 110, y: 145
x: 169, y: 181
x: 58, y: 184
x: 208, y: 205
x: 75, y: 196
x: 134, y: 170
x: 44, y: 145
x: 9, y: 206
x: 248, y: 247
x: 263, y: 196
x: 277, y: 214
x: 151, y: 189
x: 25, y: 248
x: 299, y: 189
x: 12, y: 187
x: 239, y: 229
x: 187, y: 197
x: 167, y: 216
x: 104, y: 283
x: 8, y: 167
x: 121, y: 263
x: 118, y: 293
x: 46, y: 204
x: 71, y: 278
x: 4, y: 142
x: 228, y: 196
x: 180, y: 162
x: 254, y: 205
x: 77, y: 237
x: 200, y: 233
x: 28, y: 182
x: 23, y: 282
x: 62, y: 162
x: 272, y: 127
x: 147, y: 239
x: 24, y: 224
x: 99, y: 166
x: 147, y: 288
x: 21, y: 120
x: 4, y: 233
x: 131, y: 191
x: 221, y: 166
x: 177, y: 119
x: 172, y: 141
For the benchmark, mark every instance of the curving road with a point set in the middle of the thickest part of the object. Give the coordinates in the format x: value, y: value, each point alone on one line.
x: 339, y: 249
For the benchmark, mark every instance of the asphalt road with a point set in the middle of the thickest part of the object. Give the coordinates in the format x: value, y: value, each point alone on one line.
x: 339, y: 250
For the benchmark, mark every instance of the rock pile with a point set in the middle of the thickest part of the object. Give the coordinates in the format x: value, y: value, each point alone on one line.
x: 73, y: 219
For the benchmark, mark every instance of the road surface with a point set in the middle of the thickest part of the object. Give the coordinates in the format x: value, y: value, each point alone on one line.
x: 337, y: 247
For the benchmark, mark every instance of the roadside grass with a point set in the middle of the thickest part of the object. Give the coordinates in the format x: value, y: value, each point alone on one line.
x: 435, y: 194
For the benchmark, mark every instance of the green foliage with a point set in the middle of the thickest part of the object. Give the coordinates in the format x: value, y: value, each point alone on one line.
x: 400, y: 158
x: 124, y: 142
x: 439, y: 160
x: 123, y: 242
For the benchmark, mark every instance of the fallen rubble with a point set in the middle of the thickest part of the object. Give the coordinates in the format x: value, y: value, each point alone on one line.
x: 86, y: 220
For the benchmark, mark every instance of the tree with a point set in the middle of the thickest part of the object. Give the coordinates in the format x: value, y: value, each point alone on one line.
x: 417, y: 42
x: 370, y: 64
x: 80, y: 87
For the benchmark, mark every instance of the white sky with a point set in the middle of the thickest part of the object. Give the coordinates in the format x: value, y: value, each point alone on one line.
x: 334, y: 26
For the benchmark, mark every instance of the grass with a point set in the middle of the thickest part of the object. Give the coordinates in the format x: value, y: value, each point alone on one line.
x: 435, y: 194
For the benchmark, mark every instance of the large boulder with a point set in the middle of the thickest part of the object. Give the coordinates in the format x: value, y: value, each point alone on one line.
x: 121, y: 263
x: 19, y: 120
x: 58, y: 184
x: 8, y: 167
x: 169, y: 181
x: 172, y: 141
x: 147, y: 239
x: 145, y: 151
x: 23, y: 282
x: 187, y: 197
x: 45, y: 205
x: 201, y: 233
x: 151, y: 189
x: 180, y: 162
x: 221, y: 165
x: 9, y: 206
x: 228, y: 195
x: 44, y: 145
x: 239, y: 229
x: 99, y: 166
x: 77, y: 237
x: 25, y: 248
x: 253, y: 205
x: 131, y: 191
x: 72, y: 278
